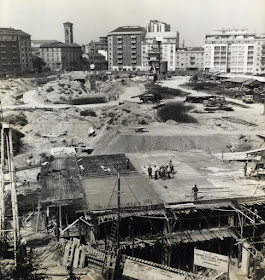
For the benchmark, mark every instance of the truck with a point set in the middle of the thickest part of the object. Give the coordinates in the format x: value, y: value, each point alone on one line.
x: 150, y: 97
x: 248, y: 98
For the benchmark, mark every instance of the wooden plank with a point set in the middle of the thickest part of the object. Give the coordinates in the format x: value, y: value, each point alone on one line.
x: 72, y: 252
x: 66, y: 253
x: 82, y: 257
x: 76, y: 257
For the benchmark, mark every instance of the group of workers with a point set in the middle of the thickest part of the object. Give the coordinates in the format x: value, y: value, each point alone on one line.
x: 164, y: 172
x: 161, y: 172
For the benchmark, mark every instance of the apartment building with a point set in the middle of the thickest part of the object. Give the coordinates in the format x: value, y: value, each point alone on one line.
x: 15, y: 51
x: 235, y: 51
x: 167, y: 42
x: 190, y: 58
x: 124, y: 48
x: 95, y: 46
x: 158, y: 26
x: 61, y: 56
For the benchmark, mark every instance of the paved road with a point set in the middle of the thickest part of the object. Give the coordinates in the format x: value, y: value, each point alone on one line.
x: 178, y: 81
x: 31, y: 102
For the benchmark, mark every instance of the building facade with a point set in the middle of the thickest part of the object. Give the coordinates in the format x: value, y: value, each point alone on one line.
x: 190, y: 58
x: 95, y: 46
x: 124, y: 48
x: 62, y: 56
x: 68, y: 32
x: 98, y: 59
x: 235, y: 51
x: 159, y: 46
x: 158, y: 26
x: 15, y: 51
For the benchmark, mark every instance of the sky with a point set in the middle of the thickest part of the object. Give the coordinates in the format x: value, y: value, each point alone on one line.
x: 44, y: 19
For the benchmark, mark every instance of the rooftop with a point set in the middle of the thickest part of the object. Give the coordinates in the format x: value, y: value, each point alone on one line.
x: 60, y: 181
x: 239, y: 80
x: 60, y: 45
x: 44, y: 41
x: 13, y: 32
x: 126, y: 29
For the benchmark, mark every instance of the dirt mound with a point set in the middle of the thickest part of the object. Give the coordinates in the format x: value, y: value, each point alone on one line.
x: 115, y: 142
x: 12, y: 90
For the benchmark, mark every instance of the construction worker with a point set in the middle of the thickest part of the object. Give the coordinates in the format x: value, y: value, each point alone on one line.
x: 128, y: 164
x: 195, y: 192
x: 38, y: 176
x: 156, y: 172
x: 150, y: 172
x: 168, y: 171
x: 245, y: 168
x: 171, y: 166
x: 163, y: 172
x: 29, y: 162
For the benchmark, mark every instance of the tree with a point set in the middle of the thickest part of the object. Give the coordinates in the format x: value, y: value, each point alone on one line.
x: 38, y: 63
x: 194, y: 79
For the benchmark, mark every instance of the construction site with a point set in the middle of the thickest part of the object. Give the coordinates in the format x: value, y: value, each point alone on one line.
x: 117, y: 177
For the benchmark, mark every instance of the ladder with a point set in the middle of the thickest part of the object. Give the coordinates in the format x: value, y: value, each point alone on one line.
x: 110, y: 252
x: 7, y: 173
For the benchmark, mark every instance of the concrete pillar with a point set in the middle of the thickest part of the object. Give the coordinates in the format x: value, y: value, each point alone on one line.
x: 246, y: 256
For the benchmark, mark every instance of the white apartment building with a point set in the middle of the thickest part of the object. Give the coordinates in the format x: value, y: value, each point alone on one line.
x: 235, y: 51
x: 169, y: 44
x: 157, y: 26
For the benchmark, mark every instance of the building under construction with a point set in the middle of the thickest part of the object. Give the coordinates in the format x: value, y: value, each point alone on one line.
x: 110, y: 213
x: 105, y: 199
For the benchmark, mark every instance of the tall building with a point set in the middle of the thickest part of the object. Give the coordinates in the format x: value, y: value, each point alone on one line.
x: 95, y: 46
x: 15, y: 50
x: 68, y: 32
x: 168, y: 42
x: 124, y: 48
x: 235, y: 51
x: 157, y: 26
x: 190, y: 58
x: 61, y: 56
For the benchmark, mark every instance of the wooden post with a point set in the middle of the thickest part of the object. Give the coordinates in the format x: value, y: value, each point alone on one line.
x: 38, y: 217
x: 60, y: 217
x: 194, y: 266
x: 132, y: 242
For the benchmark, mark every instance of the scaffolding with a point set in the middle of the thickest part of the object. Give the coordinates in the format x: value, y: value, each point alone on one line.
x: 8, y: 183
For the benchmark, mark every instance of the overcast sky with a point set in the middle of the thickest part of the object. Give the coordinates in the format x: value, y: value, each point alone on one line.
x: 44, y: 19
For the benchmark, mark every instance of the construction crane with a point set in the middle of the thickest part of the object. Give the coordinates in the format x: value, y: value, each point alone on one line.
x: 8, y: 231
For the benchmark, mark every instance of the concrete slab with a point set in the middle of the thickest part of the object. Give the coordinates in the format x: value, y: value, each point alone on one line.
x: 101, y: 193
x: 215, y: 179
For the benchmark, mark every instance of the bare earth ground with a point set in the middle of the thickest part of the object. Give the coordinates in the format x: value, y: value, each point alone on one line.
x: 114, y: 125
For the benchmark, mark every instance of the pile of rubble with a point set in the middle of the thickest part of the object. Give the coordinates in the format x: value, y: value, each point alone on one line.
x: 12, y: 90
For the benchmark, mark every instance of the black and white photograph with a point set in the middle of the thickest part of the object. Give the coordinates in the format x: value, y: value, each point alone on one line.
x: 132, y: 140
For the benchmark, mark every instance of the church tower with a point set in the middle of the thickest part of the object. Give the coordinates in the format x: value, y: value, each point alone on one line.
x: 68, y: 32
